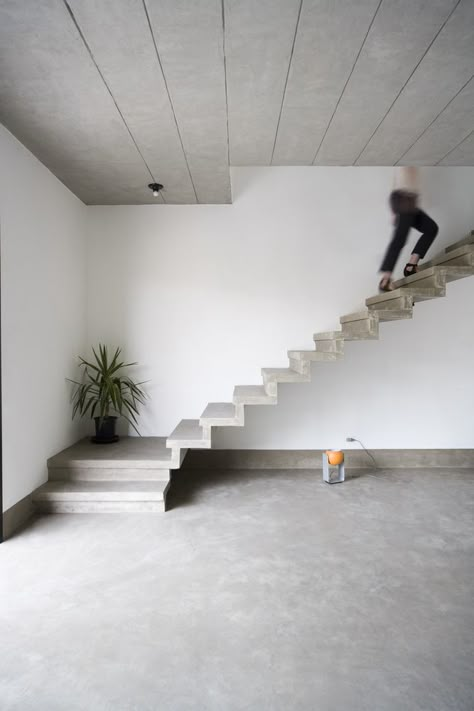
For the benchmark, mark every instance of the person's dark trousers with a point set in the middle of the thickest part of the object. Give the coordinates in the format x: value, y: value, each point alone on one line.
x: 421, y: 222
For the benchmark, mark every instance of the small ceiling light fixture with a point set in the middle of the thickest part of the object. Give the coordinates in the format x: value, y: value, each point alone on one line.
x: 155, y: 188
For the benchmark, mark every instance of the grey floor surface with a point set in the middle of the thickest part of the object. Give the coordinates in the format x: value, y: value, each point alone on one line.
x: 267, y: 591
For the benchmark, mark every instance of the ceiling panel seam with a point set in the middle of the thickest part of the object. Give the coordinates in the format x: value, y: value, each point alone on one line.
x: 86, y: 44
x: 225, y: 81
x: 408, y: 79
x: 456, y: 146
x: 435, y: 119
x: 286, y: 81
x: 169, y: 96
x: 346, y: 82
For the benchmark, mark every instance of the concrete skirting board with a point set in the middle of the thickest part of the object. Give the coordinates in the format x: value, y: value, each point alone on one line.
x: 17, y: 515
x: 311, y: 458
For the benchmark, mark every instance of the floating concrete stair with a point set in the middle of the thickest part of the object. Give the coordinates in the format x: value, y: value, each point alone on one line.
x: 101, y: 496
x: 189, y: 434
x: 468, y: 239
x: 133, y: 475
x: 314, y: 355
x: 360, y: 326
x: 222, y: 414
x: 253, y: 395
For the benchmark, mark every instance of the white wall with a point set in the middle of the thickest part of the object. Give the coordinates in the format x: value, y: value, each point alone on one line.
x: 43, y: 314
x: 203, y: 296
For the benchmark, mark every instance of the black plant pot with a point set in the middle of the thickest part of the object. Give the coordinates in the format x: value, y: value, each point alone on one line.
x: 105, y: 430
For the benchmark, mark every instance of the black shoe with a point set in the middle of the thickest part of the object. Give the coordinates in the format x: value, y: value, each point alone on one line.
x: 410, y: 269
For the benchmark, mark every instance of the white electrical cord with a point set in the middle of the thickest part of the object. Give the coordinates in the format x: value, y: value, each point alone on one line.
x: 354, y: 439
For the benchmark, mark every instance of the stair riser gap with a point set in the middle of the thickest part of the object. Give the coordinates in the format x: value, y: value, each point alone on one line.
x: 92, y: 507
x: 101, y: 474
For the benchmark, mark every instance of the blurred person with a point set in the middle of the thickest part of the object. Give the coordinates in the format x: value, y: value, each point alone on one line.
x: 404, y: 205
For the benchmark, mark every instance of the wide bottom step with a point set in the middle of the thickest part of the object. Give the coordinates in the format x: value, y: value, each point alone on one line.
x: 100, y: 496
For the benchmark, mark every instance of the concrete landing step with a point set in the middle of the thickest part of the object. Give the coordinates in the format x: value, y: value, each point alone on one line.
x: 468, y: 239
x: 100, y: 496
x: 253, y: 395
x: 315, y: 355
x: 222, y: 414
x: 127, y: 453
x: 189, y: 434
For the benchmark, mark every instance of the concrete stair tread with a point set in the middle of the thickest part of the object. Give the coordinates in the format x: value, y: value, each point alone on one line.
x: 418, y: 294
x: 328, y: 336
x: 466, y: 250
x: 220, y: 414
x: 468, y: 239
x: 359, y: 316
x: 253, y: 395
x: 444, y: 271
x: 314, y: 355
x: 189, y: 433
x: 101, y: 491
x: 283, y: 375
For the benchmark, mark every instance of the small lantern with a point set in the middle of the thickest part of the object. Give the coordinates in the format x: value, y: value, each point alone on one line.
x: 333, y: 466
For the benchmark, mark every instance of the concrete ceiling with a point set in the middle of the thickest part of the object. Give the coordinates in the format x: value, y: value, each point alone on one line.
x: 114, y: 94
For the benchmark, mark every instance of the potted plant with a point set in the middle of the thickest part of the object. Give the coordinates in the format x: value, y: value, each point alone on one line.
x: 106, y: 392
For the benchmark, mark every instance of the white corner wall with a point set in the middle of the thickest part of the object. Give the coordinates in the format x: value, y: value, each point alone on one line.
x: 43, y: 255
x: 203, y: 296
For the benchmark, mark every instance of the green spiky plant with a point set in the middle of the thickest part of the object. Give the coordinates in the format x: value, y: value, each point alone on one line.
x: 105, y: 390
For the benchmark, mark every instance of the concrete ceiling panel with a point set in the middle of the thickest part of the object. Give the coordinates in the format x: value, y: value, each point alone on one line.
x: 126, y: 56
x: 443, y: 72
x: 259, y: 37
x: 189, y: 38
x: 446, y: 133
x: 463, y: 154
x: 401, y: 33
x: 53, y: 99
x: 329, y: 37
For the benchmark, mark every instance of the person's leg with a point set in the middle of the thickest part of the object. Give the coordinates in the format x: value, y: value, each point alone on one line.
x: 429, y: 229
x: 402, y: 228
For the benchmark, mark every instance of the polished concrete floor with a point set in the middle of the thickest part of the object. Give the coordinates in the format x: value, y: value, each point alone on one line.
x: 263, y: 591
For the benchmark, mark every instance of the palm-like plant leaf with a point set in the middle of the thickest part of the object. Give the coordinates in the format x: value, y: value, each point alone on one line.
x: 106, y: 388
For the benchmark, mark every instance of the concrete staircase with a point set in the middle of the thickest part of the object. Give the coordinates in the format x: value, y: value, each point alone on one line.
x: 134, y: 474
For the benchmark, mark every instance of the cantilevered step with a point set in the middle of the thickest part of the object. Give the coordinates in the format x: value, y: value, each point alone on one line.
x: 360, y: 326
x: 222, y: 414
x: 468, y: 239
x: 283, y: 375
x: 189, y: 434
x: 253, y: 395
x: 462, y: 256
x: 100, y: 496
x: 404, y: 297
x: 313, y: 355
x: 435, y: 276
x: 329, y: 341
